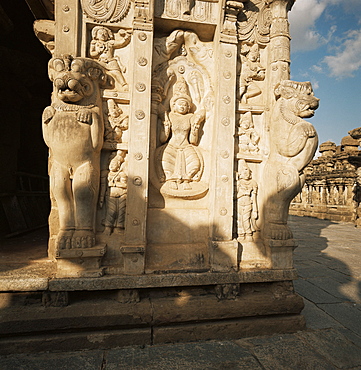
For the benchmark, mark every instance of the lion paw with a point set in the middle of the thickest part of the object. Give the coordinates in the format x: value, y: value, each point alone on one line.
x: 84, y: 116
x: 278, y: 232
x: 63, y: 239
x: 83, y: 239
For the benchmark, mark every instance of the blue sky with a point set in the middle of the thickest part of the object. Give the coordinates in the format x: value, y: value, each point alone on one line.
x: 326, y: 50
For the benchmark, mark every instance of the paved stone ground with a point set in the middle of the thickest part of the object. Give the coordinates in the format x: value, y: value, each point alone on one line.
x: 328, y: 259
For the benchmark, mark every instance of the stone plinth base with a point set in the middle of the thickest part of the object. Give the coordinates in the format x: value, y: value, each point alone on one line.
x: 281, y: 253
x: 104, y: 319
x: 80, y: 262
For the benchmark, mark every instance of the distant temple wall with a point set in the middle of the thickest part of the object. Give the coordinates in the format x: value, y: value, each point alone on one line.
x: 332, y: 190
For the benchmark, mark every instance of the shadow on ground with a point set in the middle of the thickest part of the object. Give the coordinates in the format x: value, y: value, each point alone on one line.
x: 327, y: 260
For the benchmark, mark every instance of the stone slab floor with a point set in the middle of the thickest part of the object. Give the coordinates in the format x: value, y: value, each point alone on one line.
x: 328, y: 260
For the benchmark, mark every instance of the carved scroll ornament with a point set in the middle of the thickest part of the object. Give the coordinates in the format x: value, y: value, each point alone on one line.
x: 106, y: 10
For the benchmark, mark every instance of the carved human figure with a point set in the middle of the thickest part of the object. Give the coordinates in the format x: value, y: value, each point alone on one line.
x: 117, y: 122
x: 251, y: 70
x: 247, y: 207
x: 102, y: 48
x: 293, y: 145
x: 116, y: 195
x: 248, y: 136
x: 73, y: 130
x: 179, y: 160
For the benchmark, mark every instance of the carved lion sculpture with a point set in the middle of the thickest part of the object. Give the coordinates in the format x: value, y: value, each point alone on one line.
x: 293, y: 145
x: 73, y: 130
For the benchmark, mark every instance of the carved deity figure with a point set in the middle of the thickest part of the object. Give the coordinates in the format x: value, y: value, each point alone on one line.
x: 251, y: 70
x: 179, y: 160
x: 117, y: 122
x: 247, y: 208
x: 102, y: 48
x: 73, y: 130
x: 294, y: 142
x: 248, y: 136
x: 116, y: 195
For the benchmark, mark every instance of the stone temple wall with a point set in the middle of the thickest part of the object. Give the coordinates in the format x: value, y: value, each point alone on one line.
x: 332, y: 190
x: 176, y: 144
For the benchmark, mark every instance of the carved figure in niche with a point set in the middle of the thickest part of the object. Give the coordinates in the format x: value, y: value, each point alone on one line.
x: 247, y: 207
x: 179, y: 160
x: 116, y: 195
x: 294, y: 142
x: 73, y: 130
x: 251, y: 70
x: 117, y: 122
x: 102, y: 48
x: 248, y: 136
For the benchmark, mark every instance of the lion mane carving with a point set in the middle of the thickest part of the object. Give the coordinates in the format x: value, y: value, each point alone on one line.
x: 73, y: 129
x: 293, y: 144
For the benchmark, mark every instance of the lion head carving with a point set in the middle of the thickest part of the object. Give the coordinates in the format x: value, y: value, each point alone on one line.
x: 298, y: 99
x: 77, y: 80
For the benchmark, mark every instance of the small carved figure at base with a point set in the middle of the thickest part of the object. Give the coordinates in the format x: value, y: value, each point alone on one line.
x: 247, y: 208
x: 251, y: 70
x: 117, y: 122
x: 248, y: 136
x: 116, y: 196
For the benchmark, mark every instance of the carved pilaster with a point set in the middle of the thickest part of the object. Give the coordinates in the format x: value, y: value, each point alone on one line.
x: 229, y: 27
x: 67, y: 28
x: 223, y: 151
x: 139, y: 134
x: 143, y: 15
x: 279, y: 42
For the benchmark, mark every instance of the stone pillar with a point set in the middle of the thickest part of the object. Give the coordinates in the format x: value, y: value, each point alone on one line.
x: 280, y: 42
x: 324, y: 194
x: 341, y: 199
x: 224, y: 250
x: 68, y: 27
x: 349, y: 194
x: 139, y: 134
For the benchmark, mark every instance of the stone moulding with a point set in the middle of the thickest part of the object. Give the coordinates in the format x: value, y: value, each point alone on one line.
x: 144, y: 281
